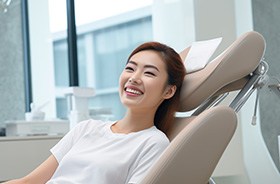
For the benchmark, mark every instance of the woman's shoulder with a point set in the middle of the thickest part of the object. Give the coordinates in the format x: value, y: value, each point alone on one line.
x: 153, y: 141
x: 157, y: 137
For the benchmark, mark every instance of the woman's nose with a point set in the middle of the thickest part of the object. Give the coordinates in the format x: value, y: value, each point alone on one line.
x: 135, y: 79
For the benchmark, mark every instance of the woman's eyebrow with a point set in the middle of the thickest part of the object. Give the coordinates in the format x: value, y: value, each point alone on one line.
x: 132, y: 62
x: 146, y: 66
x: 151, y: 66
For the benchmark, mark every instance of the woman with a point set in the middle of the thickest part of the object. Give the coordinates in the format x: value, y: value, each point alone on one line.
x: 121, y: 152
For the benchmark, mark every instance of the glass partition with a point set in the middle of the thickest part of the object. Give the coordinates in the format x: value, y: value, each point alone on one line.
x: 105, y: 36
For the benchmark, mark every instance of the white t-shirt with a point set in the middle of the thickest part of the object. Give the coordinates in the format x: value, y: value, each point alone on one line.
x: 92, y: 153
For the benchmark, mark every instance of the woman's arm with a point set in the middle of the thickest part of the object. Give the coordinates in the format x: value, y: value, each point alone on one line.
x: 40, y: 175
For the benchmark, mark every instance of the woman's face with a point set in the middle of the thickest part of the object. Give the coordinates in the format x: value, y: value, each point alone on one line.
x: 143, y: 82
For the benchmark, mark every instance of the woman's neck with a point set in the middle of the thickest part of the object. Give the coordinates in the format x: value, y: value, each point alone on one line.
x: 134, y: 122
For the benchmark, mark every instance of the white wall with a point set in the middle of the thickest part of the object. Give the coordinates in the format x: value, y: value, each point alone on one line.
x: 41, y: 56
x: 173, y: 23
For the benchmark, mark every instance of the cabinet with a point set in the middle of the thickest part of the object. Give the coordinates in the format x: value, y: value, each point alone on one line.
x: 20, y: 155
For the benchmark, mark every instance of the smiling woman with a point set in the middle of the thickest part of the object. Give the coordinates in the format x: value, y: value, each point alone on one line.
x: 165, y: 112
x: 149, y: 87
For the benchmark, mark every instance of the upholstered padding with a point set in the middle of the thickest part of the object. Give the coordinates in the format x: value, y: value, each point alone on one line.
x: 194, y: 153
x: 239, y: 60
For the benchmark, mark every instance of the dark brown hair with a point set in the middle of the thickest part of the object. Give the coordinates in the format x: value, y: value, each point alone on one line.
x: 164, y: 116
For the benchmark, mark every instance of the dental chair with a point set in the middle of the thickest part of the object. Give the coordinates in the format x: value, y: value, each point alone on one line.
x: 198, y: 141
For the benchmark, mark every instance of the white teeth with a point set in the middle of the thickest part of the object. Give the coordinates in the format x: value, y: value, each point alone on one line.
x: 133, y: 91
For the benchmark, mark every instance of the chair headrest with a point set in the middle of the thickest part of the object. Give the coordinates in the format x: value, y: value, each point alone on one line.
x: 234, y: 65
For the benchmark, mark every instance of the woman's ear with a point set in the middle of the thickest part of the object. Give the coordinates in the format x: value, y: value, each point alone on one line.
x: 169, y: 91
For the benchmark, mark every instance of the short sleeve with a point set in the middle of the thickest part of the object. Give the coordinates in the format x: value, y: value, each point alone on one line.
x: 67, y: 142
x: 148, y: 158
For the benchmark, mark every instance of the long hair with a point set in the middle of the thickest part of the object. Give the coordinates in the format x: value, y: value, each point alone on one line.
x: 165, y: 113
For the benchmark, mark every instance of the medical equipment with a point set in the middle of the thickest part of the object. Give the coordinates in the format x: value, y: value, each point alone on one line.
x: 36, y: 127
x: 36, y: 124
x: 36, y: 113
x: 198, y: 141
x: 77, y: 100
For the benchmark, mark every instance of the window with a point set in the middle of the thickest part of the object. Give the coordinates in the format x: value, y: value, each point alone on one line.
x: 103, y: 47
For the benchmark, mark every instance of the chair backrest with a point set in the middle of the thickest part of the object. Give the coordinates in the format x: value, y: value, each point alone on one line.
x: 194, y: 153
x: 229, y: 71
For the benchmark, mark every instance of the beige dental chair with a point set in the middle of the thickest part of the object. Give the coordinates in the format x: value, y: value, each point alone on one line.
x: 198, y: 141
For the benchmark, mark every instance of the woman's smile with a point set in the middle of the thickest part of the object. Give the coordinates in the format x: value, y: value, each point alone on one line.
x: 133, y: 91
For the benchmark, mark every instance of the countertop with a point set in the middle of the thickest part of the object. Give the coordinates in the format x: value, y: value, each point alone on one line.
x: 20, y: 138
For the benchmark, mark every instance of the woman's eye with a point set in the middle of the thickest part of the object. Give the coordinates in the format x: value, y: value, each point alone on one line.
x: 128, y: 68
x: 150, y: 73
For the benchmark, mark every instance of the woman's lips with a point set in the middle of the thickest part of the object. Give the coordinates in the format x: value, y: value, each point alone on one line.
x: 133, y: 90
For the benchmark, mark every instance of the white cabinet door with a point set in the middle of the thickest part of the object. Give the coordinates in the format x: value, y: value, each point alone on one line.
x: 19, y: 156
